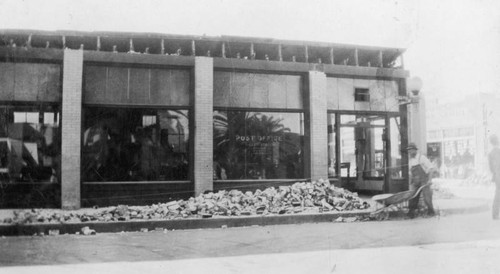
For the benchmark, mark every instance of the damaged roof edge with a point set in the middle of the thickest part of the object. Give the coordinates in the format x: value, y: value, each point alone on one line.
x: 222, y: 38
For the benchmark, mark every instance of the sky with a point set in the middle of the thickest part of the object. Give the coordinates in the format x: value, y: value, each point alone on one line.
x: 452, y: 45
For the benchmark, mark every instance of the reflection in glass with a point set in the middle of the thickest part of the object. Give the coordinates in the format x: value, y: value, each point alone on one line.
x: 362, y: 146
x: 258, y: 145
x: 122, y: 144
x: 458, y: 157
x: 332, y: 172
x: 26, y: 117
x: 30, y: 147
x: 348, y: 120
x: 347, y: 152
x: 395, y: 168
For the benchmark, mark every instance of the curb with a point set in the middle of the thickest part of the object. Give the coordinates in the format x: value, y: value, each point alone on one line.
x: 480, y: 207
x: 219, y: 222
x: 206, y: 223
x: 466, y: 210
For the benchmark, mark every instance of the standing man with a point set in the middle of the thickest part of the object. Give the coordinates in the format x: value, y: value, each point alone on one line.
x: 494, y: 162
x: 421, y: 170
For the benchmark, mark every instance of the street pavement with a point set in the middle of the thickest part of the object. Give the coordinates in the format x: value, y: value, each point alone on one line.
x: 466, y: 257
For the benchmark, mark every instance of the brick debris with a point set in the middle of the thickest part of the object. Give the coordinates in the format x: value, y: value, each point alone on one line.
x: 301, y: 197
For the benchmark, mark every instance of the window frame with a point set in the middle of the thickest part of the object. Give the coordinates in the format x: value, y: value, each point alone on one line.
x: 387, y: 153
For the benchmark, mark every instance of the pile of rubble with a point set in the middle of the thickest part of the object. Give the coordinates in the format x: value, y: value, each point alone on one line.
x: 318, y: 196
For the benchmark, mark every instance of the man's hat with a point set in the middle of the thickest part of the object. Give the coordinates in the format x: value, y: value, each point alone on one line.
x: 411, y: 146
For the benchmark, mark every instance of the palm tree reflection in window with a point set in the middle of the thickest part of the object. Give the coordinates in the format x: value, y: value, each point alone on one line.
x: 257, y: 145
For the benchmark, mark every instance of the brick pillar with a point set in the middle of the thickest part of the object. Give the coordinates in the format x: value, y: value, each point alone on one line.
x: 318, y: 128
x: 71, y: 129
x: 203, y: 125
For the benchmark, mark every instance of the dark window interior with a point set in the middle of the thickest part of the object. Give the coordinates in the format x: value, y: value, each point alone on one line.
x: 135, y: 144
x: 361, y: 95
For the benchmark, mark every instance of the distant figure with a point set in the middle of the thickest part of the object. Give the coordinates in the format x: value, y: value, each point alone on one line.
x: 421, y: 170
x: 494, y: 163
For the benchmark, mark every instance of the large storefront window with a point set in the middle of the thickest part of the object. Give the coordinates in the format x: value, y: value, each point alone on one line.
x: 30, y: 147
x: 258, y: 145
x: 133, y: 144
x: 362, y: 146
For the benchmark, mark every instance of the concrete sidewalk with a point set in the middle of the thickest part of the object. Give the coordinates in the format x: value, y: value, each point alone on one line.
x: 464, y: 257
x: 455, y: 205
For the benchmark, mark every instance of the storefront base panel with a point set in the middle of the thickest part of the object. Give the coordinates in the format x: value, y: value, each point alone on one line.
x: 21, y: 195
x: 398, y: 185
x: 335, y: 182
x: 371, y: 185
x: 134, y: 194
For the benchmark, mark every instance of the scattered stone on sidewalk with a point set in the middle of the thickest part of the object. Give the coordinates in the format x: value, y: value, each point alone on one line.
x: 54, y: 232
x: 339, y: 220
x: 87, y: 231
x: 350, y: 219
x: 317, y: 196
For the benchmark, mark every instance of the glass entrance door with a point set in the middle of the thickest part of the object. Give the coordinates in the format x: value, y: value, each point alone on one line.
x: 362, y: 148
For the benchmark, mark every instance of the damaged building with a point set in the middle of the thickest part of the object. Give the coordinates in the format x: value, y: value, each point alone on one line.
x: 106, y: 118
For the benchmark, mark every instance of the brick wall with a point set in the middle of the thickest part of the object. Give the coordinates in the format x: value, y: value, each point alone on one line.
x: 318, y: 125
x: 71, y: 129
x: 203, y: 128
